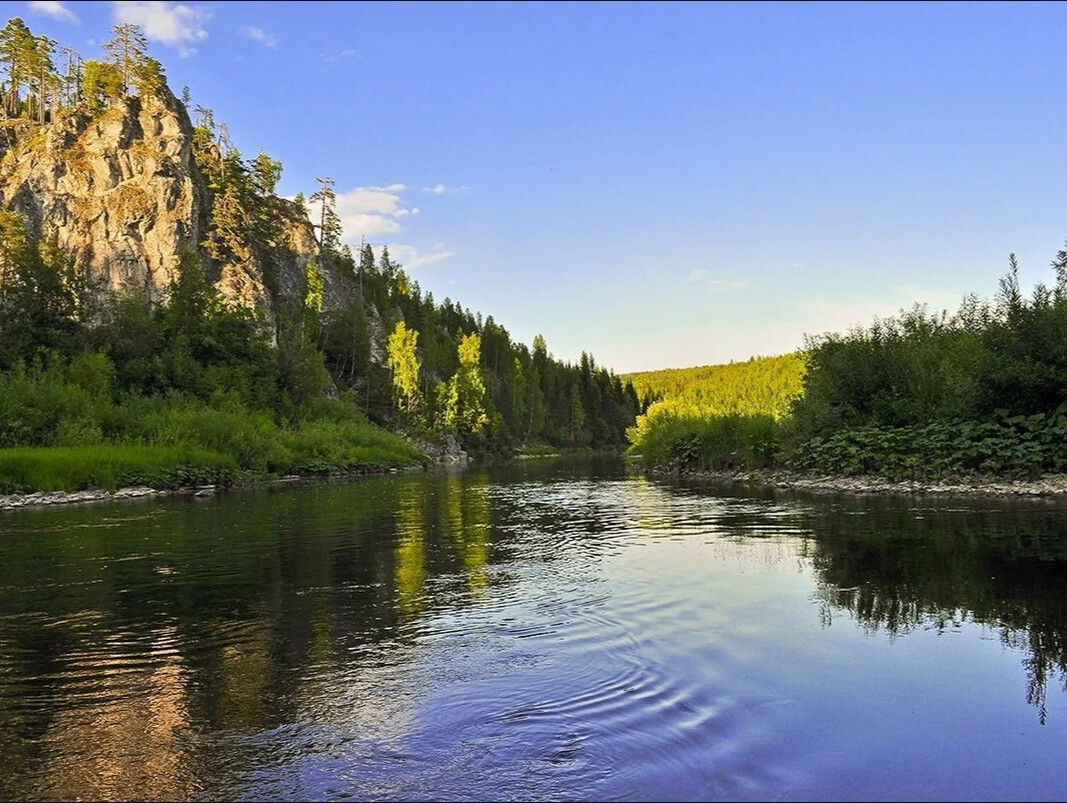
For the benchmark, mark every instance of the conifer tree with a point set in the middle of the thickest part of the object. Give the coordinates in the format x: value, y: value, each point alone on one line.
x: 329, y: 222
x: 127, y: 50
x: 17, y: 47
x: 43, y: 70
x: 149, y: 77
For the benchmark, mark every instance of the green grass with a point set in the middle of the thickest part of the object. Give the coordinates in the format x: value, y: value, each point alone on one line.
x: 25, y: 469
x: 190, y: 445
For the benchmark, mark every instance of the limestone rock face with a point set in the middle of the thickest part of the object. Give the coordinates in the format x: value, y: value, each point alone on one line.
x: 118, y: 190
x: 121, y: 192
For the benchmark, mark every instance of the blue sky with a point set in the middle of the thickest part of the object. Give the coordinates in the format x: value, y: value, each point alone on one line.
x: 660, y: 184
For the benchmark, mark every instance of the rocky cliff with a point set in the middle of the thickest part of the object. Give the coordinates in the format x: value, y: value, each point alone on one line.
x: 121, y: 191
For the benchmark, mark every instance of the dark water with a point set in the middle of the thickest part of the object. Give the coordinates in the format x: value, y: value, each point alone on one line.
x: 541, y: 631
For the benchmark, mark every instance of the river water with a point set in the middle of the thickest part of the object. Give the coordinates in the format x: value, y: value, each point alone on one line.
x: 547, y: 630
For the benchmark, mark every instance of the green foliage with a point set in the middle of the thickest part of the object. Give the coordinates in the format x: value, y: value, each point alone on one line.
x: 758, y: 386
x: 1008, y: 445
x: 313, y: 298
x: 17, y: 53
x: 726, y: 442
x: 39, y: 298
x: 329, y: 222
x: 148, y: 77
x: 345, y: 342
x: 109, y: 466
x: 920, y: 368
x: 101, y: 82
x: 404, y: 363
x: 462, y: 399
x: 127, y: 52
x: 762, y: 387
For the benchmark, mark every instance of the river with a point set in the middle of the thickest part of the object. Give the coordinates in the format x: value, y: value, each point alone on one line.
x: 544, y: 630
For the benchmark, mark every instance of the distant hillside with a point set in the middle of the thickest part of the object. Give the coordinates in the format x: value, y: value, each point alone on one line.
x: 760, y: 385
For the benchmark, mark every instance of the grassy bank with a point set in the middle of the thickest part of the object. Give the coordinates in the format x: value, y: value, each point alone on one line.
x: 109, y: 466
x: 56, y: 434
x: 316, y: 448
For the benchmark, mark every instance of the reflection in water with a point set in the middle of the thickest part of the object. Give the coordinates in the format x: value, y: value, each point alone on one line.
x: 410, y: 549
x: 472, y: 536
x: 899, y: 566
x: 533, y: 631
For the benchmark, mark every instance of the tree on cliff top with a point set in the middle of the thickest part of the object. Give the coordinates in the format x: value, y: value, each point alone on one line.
x: 127, y: 50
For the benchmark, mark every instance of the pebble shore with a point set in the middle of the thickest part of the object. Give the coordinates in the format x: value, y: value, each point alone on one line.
x: 12, y: 501
x: 1049, y: 485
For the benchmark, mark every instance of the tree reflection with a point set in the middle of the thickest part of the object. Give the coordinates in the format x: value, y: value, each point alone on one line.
x: 895, y: 565
x: 410, y: 549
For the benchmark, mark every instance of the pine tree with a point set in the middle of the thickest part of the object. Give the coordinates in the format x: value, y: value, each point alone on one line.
x: 329, y: 222
x: 1059, y: 264
x: 127, y: 51
x: 149, y: 77
x: 43, y: 70
x: 17, y: 46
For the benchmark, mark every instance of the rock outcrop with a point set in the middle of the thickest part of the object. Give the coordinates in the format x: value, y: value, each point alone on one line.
x: 120, y: 190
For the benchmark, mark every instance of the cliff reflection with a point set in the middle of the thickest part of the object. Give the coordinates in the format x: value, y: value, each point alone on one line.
x: 126, y: 635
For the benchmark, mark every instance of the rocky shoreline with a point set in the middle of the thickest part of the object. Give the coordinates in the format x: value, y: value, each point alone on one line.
x: 48, y: 498
x: 41, y: 498
x: 1048, y: 485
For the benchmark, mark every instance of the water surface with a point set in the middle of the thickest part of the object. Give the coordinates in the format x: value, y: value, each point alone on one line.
x: 545, y: 630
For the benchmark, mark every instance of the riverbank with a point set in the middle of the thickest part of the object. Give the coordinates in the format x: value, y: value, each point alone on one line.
x: 1047, y: 485
x: 91, y: 495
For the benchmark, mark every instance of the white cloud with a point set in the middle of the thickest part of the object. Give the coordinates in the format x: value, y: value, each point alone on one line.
x: 369, y: 211
x: 444, y: 189
x: 261, y: 36
x: 176, y: 26
x: 55, y: 10
x: 714, y: 285
x: 726, y: 285
x: 410, y: 258
x: 368, y: 226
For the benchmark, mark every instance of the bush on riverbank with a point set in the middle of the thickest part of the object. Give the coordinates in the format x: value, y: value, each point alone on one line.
x: 687, y: 443
x: 1015, y: 446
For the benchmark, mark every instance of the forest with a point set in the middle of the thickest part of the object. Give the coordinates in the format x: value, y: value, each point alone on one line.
x: 105, y: 390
